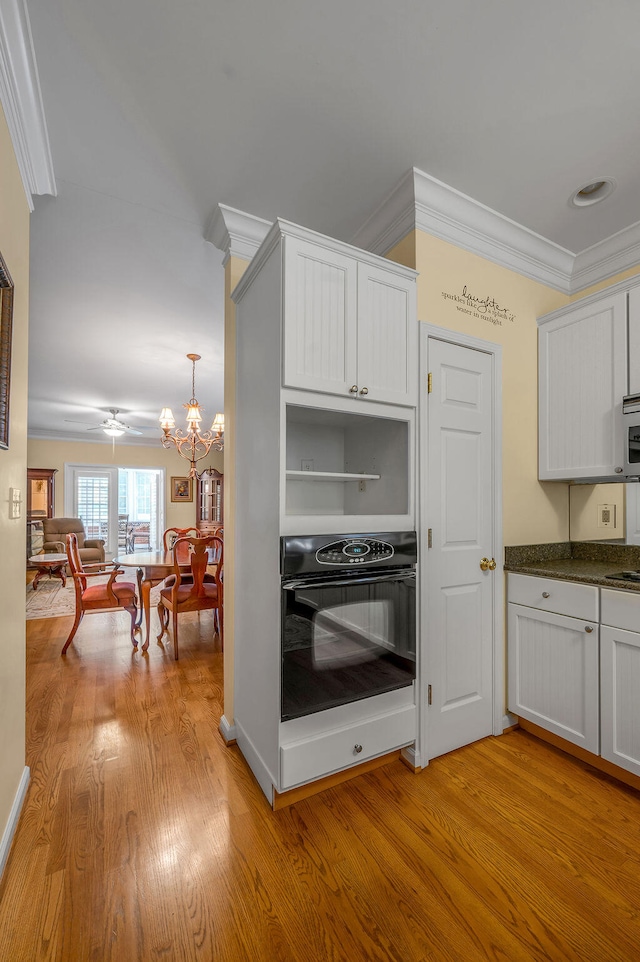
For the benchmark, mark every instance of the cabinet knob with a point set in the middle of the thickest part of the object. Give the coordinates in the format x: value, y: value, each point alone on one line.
x: 588, y: 629
x: 353, y: 389
x: 545, y: 594
x: 365, y: 390
x: 357, y: 749
x: 618, y: 470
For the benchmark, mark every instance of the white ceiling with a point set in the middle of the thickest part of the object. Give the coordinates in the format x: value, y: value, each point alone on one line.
x: 157, y: 111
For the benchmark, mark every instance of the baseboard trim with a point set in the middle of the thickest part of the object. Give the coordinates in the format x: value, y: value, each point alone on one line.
x: 410, y: 757
x: 596, y: 761
x: 14, y: 815
x: 227, y: 731
x: 292, y: 795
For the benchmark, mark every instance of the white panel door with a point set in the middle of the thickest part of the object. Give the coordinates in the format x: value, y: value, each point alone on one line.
x: 460, y: 617
x: 583, y: 378
x: 620, y: 697
x: 319, y: 318
x: 553, y: 673
x: 387, y: 336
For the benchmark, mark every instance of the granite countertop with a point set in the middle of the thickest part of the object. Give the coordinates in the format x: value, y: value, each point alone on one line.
x: 586, y: 561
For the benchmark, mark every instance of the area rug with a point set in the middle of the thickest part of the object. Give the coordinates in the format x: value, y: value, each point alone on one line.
x: 52, y: 600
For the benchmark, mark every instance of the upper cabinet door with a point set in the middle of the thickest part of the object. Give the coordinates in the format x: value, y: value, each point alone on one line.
x: 634, y: 340
x: 320, y: 291
x: 387, y: 336
x: 582, y: 380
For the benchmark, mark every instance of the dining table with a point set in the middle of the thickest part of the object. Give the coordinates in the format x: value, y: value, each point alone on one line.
x: 152, y: 567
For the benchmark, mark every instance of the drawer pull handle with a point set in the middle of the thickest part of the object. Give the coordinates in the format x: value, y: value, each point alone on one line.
x: 357, y: 749
x: 588, y: 629
x: 545, y: 594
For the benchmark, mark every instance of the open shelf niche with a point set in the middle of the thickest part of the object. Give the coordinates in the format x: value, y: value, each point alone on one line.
x: 362, y: 463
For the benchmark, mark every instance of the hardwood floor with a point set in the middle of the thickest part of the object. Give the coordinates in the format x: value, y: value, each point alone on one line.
x: 144, y: 838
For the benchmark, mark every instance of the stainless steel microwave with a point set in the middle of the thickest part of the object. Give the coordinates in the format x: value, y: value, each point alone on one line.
x: 631, y: 434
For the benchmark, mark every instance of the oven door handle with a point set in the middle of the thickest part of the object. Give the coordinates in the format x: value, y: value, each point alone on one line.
x: 345, y: 582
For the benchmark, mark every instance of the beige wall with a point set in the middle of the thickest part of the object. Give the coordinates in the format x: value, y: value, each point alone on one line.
x: 54, y: 454
x: 584, y: 500
x: 533, y: 511
x: 14, y: 245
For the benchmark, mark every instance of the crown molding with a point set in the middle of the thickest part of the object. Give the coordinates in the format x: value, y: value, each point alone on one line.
x: 617, y: 253
x: 45, y: 434
x: 422, y: 202
x: 236, y: 233
x: 21, y: 100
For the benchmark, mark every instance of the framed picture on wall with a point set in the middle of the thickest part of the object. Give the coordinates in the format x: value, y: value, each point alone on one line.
x: 6, y: 319
x: 182, y: 489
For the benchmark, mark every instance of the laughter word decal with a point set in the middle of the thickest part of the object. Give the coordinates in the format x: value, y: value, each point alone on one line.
x: 484, y: 308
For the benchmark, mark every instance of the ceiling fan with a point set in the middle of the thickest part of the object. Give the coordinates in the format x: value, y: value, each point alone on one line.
x: 112, y: 426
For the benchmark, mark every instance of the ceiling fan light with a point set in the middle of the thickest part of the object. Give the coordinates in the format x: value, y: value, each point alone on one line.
x: 113, y: 432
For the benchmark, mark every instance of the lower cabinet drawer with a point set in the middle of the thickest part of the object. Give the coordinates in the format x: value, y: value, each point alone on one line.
x: 550, y: 594
x: 335, y: 751
x: 620, y: 609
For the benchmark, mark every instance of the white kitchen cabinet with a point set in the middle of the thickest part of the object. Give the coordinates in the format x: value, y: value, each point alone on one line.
x: 380, y: 725
x: 582, y: 380
x: 313, y: 317
x: 620, y: 697
x: 569, y: 679
x: 553, y: 673
x: 620, y: 679
x: 350, y: 323
x: 633, y: 324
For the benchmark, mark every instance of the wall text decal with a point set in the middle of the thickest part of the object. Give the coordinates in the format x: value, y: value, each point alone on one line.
x: 485, y: 308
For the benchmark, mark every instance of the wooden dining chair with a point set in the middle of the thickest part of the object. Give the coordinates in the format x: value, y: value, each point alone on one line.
x: 195, y: 590
x: 171, y: 535
x: 98, y: 597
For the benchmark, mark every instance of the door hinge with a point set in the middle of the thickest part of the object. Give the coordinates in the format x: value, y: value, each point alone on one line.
x: 428, y: 694
x: 429, y: 382
x: 430, y: 538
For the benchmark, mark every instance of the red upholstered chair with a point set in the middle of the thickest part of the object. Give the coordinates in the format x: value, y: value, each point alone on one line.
x: 98, y: 597
x: 195, y: 590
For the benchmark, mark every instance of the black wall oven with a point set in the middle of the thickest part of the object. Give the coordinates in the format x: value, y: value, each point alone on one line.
x: 348, y: 618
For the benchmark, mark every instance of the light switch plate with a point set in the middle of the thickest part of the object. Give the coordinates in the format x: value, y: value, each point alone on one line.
x: 606, y: 515
x: 15, y: 502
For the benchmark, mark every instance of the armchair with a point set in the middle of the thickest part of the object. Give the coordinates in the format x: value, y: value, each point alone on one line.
x: 55, y: 539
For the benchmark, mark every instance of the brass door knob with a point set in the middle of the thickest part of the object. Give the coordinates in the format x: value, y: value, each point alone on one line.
x: 487, y: 564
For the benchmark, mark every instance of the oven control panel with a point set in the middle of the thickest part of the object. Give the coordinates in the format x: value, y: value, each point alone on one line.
x: 354, y: 551
x: 318, y: 553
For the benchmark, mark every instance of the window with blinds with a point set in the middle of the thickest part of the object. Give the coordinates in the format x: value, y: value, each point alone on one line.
x: 93, y: 504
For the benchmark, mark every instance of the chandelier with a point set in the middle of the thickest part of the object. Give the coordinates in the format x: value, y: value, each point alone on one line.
x: 192, y: 445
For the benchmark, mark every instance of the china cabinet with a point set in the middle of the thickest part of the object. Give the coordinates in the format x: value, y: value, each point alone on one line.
x: 210, y: 501
x: 40, y: 504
